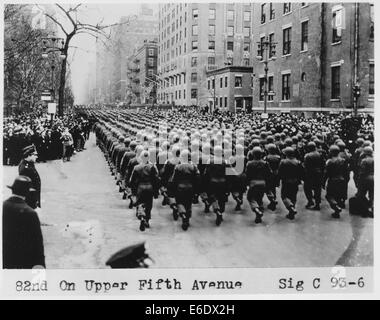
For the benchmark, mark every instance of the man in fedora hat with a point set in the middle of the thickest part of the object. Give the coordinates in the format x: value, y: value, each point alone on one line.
x: 22, y: 237
x: 27, y: 168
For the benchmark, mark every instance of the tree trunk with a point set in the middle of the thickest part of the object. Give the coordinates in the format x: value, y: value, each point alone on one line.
x: 61, y: 92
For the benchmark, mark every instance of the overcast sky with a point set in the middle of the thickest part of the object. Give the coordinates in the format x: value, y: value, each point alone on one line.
x: 81, y: 57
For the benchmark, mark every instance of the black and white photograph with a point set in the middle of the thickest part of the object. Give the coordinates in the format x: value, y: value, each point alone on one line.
x: 181, y: 135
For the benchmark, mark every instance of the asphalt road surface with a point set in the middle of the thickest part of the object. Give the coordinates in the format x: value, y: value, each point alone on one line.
x: 85, y: 221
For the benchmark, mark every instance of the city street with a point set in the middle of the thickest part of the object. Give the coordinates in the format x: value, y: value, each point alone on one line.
x: 85, y: 221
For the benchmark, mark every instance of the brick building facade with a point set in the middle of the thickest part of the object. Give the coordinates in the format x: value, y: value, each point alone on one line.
x: 141, y: 71
x: 314, y: 61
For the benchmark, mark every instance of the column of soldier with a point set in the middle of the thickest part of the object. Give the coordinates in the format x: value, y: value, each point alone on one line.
x: 187, y: 156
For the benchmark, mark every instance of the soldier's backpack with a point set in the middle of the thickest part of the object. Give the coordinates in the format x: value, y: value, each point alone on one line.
x: 359, y: 206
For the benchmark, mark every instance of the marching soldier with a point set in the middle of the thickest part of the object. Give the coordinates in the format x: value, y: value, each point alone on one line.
x: 131, y: 165
x: 335, y: 175
x: 215, y: 181
x: 345, y: 154
x: 314, y: 168
x: 290, y: 173
x: 366, y: 177
x: 144, y: 184
x: 257, y: 172
x: 273, y: 159
x: 185, y: 182
x: 27, y: 168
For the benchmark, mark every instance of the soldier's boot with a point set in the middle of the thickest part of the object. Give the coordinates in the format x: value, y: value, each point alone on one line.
x: 337, y: 211
x: 185, y: 221
x: 130, y: 202
x: 317, y: 207
x: 175, y: 211
x: 272, y: 205
x: 259, y: 216
x: 239, y: 202
x: 219, y: 217
x: 292, y: 213
x: 165, y: 200
x: 309, y: 204
x: 142, y: 224
x: 342, y: 204
x: 124, y: 195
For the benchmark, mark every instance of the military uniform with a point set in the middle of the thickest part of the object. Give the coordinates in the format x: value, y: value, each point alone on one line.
x: 185, y: 182
x: 314, y: 168
x: 28, y: 169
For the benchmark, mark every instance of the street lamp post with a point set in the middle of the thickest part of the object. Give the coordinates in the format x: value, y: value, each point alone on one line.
x: 264, y: 48
x: 51, y: 45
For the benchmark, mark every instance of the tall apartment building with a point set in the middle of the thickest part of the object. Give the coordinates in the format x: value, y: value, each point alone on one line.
x: 317, y: 53
x: 317, y: 60
x: 198, y: 37
x: 141, y: 71
x: 112, y: 56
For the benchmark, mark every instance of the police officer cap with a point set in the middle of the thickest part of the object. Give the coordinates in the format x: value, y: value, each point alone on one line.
x: 27, y: 151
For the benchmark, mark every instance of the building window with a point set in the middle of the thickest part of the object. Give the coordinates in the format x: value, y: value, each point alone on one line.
x: 304, y: 35
x: 247, y: 16
x: 179, y: 80
x: 194, y: 93
x: 194, y: 61
x: 261, y: 49
x: 230, y: 31
x: 211, y: 45
x: 194, y: 45
x: 211, y: 14
x: 303, y: 4
x: 180, y: 21
x: 270, y: 88
x: 211, y: 61
x: 150, y: 62
x: 246, y: 62
x: 230, y: 45
x: 211, y: 30
x: 246, y: 31
x: 230, y: 15
x: 286, y: 42
x: 151, y: 52
x: 221, y: 102
x: 271, y: 49
x: 335, y: 82
x: 195, y: 13
x: 185, y: 16
x: 176, y: 94
x: 179, y: 94
x: 261, y: 89
x: 184, y: 94
x: 337, y: 26
x: 286, y: 87
x: 213, y: 83
x: 271, y: 12
x: 287, y: 7
x: 238, y: 81
x: 371, y: 89
x: 216, y: 102
x: 226, y: 81
x: 208, y: 85
x: 195, y: 30
x: 221, y: 83
x: 225, y: 102
x: 194, y: 77
x: 184, y: 48
x: 246, y: 47
x: 150, y: 72
x: 263, y: 13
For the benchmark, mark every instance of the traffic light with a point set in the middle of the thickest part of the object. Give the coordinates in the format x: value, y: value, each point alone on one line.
x: 356, y: 91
